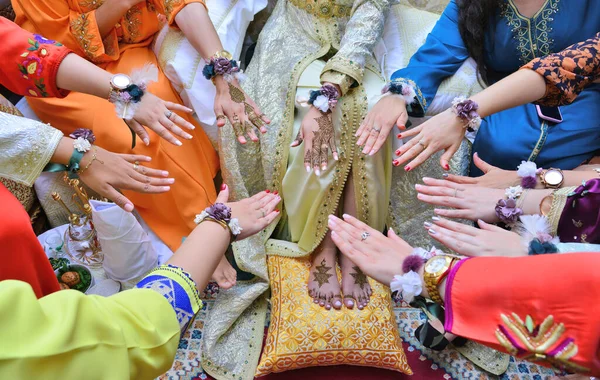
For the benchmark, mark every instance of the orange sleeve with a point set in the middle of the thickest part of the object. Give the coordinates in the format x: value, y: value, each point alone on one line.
x: 78, y: 31
x: 29, y: 62
x: 543, y: 308
x: 170, y: 8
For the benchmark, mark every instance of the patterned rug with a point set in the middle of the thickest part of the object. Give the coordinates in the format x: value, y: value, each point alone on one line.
x: 426, y: 364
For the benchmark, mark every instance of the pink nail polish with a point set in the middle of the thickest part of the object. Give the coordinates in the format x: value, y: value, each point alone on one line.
x: 397, y: 152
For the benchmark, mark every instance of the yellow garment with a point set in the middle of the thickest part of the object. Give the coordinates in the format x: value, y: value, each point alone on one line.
x: 69, y: 335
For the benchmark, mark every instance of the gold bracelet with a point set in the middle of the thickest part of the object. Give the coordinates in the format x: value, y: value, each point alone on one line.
x: 94, y: 158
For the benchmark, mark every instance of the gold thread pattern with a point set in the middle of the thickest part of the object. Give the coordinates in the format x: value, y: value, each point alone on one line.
x: 322, y: 8
x: 80, y: 26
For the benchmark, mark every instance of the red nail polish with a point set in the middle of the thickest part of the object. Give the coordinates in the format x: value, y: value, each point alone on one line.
x: 398, y: 152
x: 407, y: 168
x: 446, y: 167
x: 276, y: 192
x: 223, y: 186
x: 402, y: 127
x: 268, y: 191
x: 399, y: 135
x: 276, y: 210
x: 396, y: 163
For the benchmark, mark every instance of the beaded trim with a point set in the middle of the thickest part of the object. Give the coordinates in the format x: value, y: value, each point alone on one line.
x: 322, y: 8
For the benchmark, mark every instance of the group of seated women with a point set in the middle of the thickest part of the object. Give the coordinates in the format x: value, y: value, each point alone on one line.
x: 315, y: 169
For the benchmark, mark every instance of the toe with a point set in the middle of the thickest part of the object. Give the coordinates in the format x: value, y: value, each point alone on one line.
x: 337, y: 303
x: 349, y: 302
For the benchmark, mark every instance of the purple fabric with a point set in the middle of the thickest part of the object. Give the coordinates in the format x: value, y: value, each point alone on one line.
x: 412, y: 263
x: 448, y: 296
x: 467, y: 110
x: 580, y: 219
x: 528, y: 182
x: 561, y: 347
x: 85, y: 133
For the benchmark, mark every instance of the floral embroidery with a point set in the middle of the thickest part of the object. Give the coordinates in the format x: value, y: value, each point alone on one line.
x: 31, y: 67
x: 91, y: 4
x: 132, y: 23
x: 534, y: 342
x: 532, y: 34
x: 568, y: 72
x: 80, y: 27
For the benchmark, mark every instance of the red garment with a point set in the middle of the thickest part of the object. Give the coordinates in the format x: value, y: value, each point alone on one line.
x: 504, y: 302
x: 21, y: 255
x: 29, y: 62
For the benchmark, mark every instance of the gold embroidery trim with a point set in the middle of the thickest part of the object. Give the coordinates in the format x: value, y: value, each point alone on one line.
x: 170, y: 5
x: 322, y: 8
x: 345, y: 66
x: 133, y: 23
x: 559, y: 201
x: 80, y: 26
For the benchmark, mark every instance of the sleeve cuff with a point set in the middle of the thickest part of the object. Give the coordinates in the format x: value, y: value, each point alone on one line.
x: 345, y: 66
x: 417, y: 106
x: 344, y: 81
x: 448, y: 295
x: 559, y: 201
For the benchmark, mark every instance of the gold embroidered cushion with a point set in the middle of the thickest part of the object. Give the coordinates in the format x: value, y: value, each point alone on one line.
x: 303, y: 334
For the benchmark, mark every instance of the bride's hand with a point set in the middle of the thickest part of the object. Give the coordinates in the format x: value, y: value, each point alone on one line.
x: 492, y: 177
x: 244, y: 115
x: 111, y: 171
x: 160, y: 116
x: 468, y: 201
x: 487, y: 240
x: 390, y: 111
x: 442, y: 132
x: 378, y: 256
x: 319, y: 137
x: 255, y: 213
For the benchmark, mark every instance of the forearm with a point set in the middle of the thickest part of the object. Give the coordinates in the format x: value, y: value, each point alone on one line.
x: 195, y: 24
x: 201, y: 252
x: 109, y: 14
x: 77, y: 74
x: 522, y: 87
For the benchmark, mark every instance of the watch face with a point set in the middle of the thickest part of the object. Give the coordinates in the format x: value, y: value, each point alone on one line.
x: 120, y: 81
x: 553, y: 177
x: 436, y: 264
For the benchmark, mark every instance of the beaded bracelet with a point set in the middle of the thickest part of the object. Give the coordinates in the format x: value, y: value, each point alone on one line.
x: 325, y: 99
x: 221, y: 214
x: 466, y: 110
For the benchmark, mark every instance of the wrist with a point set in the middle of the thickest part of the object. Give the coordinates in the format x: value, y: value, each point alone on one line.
x: 63, y: 151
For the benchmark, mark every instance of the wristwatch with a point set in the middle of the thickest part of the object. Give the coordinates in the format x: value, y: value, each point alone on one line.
x: 118, y: 83
x: 436, y: 269
x: 552, y: 178
x: 223, y: 54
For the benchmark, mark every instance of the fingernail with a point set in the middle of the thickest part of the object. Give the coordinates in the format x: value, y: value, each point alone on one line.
x: 431, y: 231
x: 407, y: 168
x: 445, y: 175
x: 427, y: 224
x: 435, y: 219
x: 147, y: 159
x: 324, y: 167
x: 446, y: 167
x: 399, y: 135
x: 223, y: 186
x: 166, y: 188
x: 346, y: 216
x: 397, y: 152
x: 420, y: 196
x: 268, y: 191
x: 147, y: 142
x: 372, y: 152
x: 276, y: 192
x: 396, y: 163
x: 165, y: 173
x: 171, y: 180
x: 178, y: 143
x: 276, y: 210
x: 418, y: 186
x: 476, y: 154
x: 307, y: 169
x: 188, y: 136
x: 365, y: 151
x: 317, y: 172
x: 402, y: 127
x: 335, y: 156
x: 129, y: 207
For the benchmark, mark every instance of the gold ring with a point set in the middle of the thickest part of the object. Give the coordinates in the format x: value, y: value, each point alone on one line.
x: 455, y: 192
x: 221, y: 117
x: 422, y: 144
x: 136, y: 165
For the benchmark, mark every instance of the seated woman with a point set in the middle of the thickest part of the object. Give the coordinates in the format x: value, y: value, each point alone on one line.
x: 497, y: 36
x: 116, y: 35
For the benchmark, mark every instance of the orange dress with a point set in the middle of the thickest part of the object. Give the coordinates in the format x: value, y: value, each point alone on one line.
x: 127, y: 46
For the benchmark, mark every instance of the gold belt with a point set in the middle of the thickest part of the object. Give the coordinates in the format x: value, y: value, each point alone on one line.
x: 322, y: 8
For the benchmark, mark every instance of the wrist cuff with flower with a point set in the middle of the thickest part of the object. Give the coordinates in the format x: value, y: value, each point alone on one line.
x: 221, y: 63
x: 535, y: 232
x: 466, y: 110
x: 402, y: 89
x: 127, y: 101
x: 528, y: 171
x: 506, y: 209
x: 221, y: 214
x: 325, y: 99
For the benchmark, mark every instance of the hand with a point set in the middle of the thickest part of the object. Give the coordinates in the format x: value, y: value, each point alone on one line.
x: 111, y: 171
x: 442, y: 132
x: 468, y: 201
x: 244, y: 115
x: 160, y: 116
x: 378, y: 256
x: 492, y: 177
x: 255, y: 213
x: 379, y: 122
x: 318, y: 135
x: 488, y: 240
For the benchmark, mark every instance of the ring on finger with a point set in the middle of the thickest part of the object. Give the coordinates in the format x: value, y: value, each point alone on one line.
x: 422, y: 143
x: 136, y: 165
x: 376, y: 129
x: 219, y: 117
x: 168, y: 114
x: 364, y: 236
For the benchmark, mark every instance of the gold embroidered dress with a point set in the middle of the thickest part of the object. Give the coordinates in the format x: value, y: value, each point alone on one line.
x: 304, y: 43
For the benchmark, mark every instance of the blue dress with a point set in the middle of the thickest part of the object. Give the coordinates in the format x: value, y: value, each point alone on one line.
x: 506, y: 138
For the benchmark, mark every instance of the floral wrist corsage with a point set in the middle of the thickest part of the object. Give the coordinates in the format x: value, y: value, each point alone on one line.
x: 535, y: 232
x: 221, y: 214
x: 528, y: 171
x: 409, y: 285
x: 325, y: 99
x: 466, y: 110
x: 506, y: 209
x: 222, y: 63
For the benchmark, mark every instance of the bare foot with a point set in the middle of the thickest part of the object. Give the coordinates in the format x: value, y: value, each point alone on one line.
x: 323, y: 285
x: 224, y: 275
x: 355, y: 285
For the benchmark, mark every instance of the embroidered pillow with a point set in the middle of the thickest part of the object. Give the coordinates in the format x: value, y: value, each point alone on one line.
x: 303, y: 334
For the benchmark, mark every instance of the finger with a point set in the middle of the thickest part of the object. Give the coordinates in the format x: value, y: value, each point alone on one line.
x: 259, y: 119
x: 435, y: 190
x: 409, y: 133
x: 364, y: 135
x: 442, y: 183
x: 489, y: 227
x: 373, y: 134
x: 178, y: 107
x: 250, y: 131
x: 316, y: 157
x: 422, y: 157
x: 139, y: 130
x: 167, y: 123
x: 454, y: 214
x: 219, y: 113
x: 141, y: 186
x: 444, y: 201
x: 268, y: 219
x: 257, y: 197
x: 324, y: 156
x: 333, y: 148
x: 449, y: 239
x: 151, y: 172
x: 392, y: 235
x: 264, y: 201
x: 118, y: 198
x: 460, y: 179
x: 178, y: 120
x: 454, y: 226
x: 381, y: 138
x: 447, y: 156
x: 271, y: 205
x: 356, y: 256
x: 223, y: 196
x: 299, y: 139
x: 164, y: 133
x: 135, y: 157
x: 359, y: 225
x: 401, y: 122
x: 363, y: 125
x: 153, y: 181
x: 414, y: 151
x: 481, y: 164
x: 308, y: 155
x: 258, y: 111
x: 343, y: 229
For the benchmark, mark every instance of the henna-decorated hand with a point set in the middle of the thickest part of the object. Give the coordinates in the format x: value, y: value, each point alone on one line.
x: 319, y: 137
x: 232, y: 103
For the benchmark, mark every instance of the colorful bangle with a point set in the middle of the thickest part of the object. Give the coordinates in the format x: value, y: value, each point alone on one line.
x: 221, y: 214
x: 221, y: 63
x: 325, y: 99
x: 466, y: 110
x: 528, y: 171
